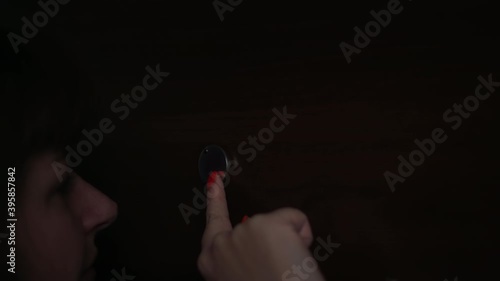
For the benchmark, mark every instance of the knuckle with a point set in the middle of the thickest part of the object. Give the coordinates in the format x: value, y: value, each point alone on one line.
x: 257, y: 219
x: 256, y: 224
x: 292, y: 212
x: 203, y: 264
x: 204, y: 242
x: 220, y: 240
x: 216, y: 217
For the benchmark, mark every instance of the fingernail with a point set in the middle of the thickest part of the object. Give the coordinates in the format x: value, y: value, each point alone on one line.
x: 211, y: 179
x: 245, y: 218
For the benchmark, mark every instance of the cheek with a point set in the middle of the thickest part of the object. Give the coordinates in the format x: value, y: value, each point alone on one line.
x: 52, y: 241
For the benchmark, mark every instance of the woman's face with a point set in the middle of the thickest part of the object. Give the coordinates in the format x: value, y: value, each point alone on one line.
x: 57, y: 223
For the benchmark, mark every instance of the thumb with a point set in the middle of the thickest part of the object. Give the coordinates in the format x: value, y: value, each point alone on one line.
x: 295, y: 219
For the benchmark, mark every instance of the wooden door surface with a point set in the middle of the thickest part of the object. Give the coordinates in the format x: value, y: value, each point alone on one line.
x: 345, y: 126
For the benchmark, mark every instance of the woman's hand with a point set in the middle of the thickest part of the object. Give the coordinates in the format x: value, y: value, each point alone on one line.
x: 265, y: 247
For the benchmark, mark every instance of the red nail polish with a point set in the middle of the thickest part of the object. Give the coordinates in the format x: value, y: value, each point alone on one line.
x: 245, y: 218
x: 211, y: 179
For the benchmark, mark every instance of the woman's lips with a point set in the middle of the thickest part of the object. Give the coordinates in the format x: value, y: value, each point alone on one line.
x: 90, y: 265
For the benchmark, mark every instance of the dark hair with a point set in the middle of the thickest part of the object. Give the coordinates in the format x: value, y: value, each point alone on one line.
x: 45, y: 102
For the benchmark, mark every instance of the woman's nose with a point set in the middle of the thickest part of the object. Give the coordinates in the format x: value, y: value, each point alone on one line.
x: 98, y: 210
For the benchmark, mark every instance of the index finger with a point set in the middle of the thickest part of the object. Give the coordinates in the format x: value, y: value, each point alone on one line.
x: 217, y: 213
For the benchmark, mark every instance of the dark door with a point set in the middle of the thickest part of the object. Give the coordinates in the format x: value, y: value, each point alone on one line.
x: 271, y: 85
